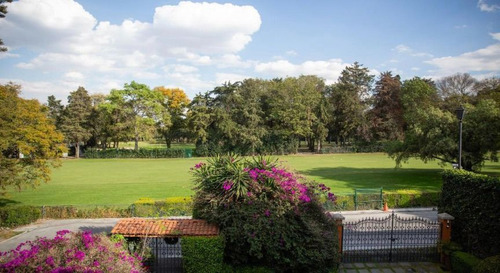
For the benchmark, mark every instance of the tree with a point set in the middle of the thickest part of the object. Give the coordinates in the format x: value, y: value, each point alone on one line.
x: 456, y: 90
x: 176, y: 103
x: 75, y: 121
x: 29, y: 142
x: 3, y: 12
x: 55, y: 110
x: 432, y: 132
x: 198, y: 119
x: 143, y: 104
x: 350, y: 100
x: 387, y: 113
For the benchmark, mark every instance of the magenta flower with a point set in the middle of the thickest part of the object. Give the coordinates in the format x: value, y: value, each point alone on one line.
x: 227, y: 185
x: 79, y: 255
x: 199, y: 165
x: 267, y: 213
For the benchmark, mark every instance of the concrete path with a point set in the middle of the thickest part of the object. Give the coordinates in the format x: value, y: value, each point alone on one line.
x: 425, y: 213
x: 48, y: 228
x: 390, y: 268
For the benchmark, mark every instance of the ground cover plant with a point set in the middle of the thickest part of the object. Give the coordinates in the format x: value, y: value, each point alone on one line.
x: 71, y: 252
x: 267, y: 214
x: 120, y: 182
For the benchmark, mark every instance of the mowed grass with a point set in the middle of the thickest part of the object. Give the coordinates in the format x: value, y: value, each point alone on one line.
x: 122, y: 181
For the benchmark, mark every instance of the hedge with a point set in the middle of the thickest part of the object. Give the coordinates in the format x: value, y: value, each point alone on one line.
x: 141, y: 153
x: 18, y: 215
x: 173, y: 206
x: 462, y: 262
x: 397, y: 199
x: 203, y: 255
x: 474, y: 201
x: 488, y: 265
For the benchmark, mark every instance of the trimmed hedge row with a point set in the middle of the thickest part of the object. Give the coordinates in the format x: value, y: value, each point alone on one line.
x: 398, y: 199
x: 174, y: 206
x: 463, y: 262
x: 141, y: 153
x: 474, y: 201
x: 203, y: 254
x: 18, y: 215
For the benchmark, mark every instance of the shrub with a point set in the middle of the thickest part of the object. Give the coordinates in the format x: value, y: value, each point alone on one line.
x: 203, y: 254
x: 65, y: 212
x: 12, y: 216
x: 474, y: 201
x: 70, y: 252
x: 267, y: 215
x: 488, y: 265
x: 463, y: 262
x: 173, y: 206
x: 141, y: 153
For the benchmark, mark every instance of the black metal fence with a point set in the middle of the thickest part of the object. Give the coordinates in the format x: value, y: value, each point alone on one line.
x: 167, y: 255
x: 390, y: 239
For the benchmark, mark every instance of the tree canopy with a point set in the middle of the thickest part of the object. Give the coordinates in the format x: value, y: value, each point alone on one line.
x: 29, y: 142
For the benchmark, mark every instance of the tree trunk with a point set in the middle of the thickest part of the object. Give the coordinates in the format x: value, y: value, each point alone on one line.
x: 136, y: 146
x: 77, y: 149
x: 319, y: 146
x: 169, y: 142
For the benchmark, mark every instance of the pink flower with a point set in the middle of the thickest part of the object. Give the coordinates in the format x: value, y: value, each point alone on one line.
x: 199, y: 165
x: 227, y: 185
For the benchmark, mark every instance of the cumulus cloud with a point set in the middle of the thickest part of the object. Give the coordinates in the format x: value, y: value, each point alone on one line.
x: 483, y: 6
x: 66, y: 39
x: 484, y: 60
x: 404, y: 49
x: 221, y: 78
x: 329, y: 70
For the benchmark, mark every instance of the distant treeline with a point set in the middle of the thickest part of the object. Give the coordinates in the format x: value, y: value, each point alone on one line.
x: 415, y: 117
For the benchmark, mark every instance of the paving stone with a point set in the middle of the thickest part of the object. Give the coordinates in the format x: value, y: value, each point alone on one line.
x: 370, y: 265
x: 348, y: 265
x: 363, y: 271
x: 387, y: 270
x: 375, y: 270
x: 405, y: 264
x: 351, y: 271
x: 359, y: 265
x: 399, y: 270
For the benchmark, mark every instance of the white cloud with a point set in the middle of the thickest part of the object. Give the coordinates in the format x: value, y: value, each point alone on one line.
x: 329, y: 70
x: 415, y: 68
x: 67, y: 39
x: 461, y: 26
x: 483, y: 6
x: 404, y: 49
x: 291, y: 53
x: 484, y: 60
x: 74, y: 75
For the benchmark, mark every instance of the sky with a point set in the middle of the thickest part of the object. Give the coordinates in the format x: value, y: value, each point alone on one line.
x: 55, y: 46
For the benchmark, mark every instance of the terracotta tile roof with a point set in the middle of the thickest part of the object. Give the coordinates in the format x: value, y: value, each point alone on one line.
x: 140, y: 227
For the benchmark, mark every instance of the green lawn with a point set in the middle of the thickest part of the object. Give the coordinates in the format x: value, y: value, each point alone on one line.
x: 122, y: 181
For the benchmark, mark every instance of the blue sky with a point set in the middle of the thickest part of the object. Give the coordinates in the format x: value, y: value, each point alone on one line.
x: 57, y: 45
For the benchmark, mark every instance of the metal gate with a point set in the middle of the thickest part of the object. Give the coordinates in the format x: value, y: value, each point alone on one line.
x: 167, y: 255
x: 390, y: 239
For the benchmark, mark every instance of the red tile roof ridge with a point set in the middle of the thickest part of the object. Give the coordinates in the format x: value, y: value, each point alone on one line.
x: 147, y: 227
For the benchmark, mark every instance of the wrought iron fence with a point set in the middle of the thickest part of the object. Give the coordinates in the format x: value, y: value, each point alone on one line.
x: 390, y: 239
x: 167, y: 255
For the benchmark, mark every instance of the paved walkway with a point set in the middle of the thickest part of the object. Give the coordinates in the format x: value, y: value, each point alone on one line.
x: 422, y: 267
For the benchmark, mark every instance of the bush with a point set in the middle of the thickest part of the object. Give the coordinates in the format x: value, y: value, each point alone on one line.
x: 462, y: 262
x: 12, y: 216
x: 141, y: 153
x: 488, y: 265
x: 70, y: 252
x: 173, y: 206
x: 202, y: 254
x: 65, y: 212
x: 474, y: 201
x: 268, y: 216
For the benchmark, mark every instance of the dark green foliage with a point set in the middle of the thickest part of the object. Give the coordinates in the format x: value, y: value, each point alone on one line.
x: 13, y: 216
x: 474, y: 201
x: 463, y: 262
x: 141, y: 153
x: 488, y: 265
x: 203, y: 254
x: 403, y: 199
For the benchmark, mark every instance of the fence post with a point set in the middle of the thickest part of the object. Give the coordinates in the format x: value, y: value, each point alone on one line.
x: 339, y: 218
x: 444, y: 237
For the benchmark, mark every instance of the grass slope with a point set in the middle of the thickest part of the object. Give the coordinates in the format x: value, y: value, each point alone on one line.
x: 122, y: 181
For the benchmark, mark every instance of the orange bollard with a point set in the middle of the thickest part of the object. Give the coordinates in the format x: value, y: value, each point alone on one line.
x: 385, y: 207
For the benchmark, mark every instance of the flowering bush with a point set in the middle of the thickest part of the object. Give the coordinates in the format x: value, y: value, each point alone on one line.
x: 70, y: 252
x: 268, y: 215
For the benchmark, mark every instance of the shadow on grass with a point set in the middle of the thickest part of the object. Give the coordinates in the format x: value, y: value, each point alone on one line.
x: 388, y: 178
x: 5, y: 202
